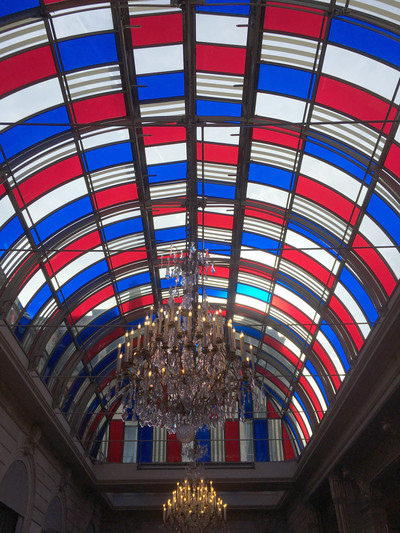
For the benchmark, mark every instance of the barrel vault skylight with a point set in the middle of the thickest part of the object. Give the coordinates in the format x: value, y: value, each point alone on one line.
x: 265, y: 132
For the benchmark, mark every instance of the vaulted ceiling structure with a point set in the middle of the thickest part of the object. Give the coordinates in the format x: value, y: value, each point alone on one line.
x: 265, y: 132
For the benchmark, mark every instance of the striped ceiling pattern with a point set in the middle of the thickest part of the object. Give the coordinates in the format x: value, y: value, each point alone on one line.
x: 266, y: 133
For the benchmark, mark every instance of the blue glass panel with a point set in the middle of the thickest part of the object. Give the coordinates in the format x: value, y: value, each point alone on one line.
x: 313, y: 237
x: 203, y: 439
x: 277, y: 177
x: 216, y: 190
x: 170, y: 235
x: 233, y: 8
x: 272, y: 393
x: 296, y: 286
x: 133, y: 281
x: 314, y: 374
x: 333, y: 339
x: 245, y: 408
x: 145, y: 444
x: 261, y: 447
x: 87, y: 417
x: 62, y: 218
x: 100, y: 321
x: 254, y: 292
x: 74, y: 389
x: 386, y: 217
x: 247, y: 330
x: 107, y: 156
x: 284, y: 80
x: 219, y: 109
x: 125, y: 227
x: 13, y: 6
x: 82, y: 278
x: 57, y: 353
x: 215, y: 247
x: 359, y: 36
x: 355, y: 287
x: 104, y: 365
x: 170, y: 172
x: 260, y: 242
x: 19, y: 138
x: 217, y: 293
x: 98, y: 441
x: 87, y: 51
x: 294, y: 432
x: 336, y: 158
x: 37, y: 302
x: 302, y: 405
x: 22, y: 326
x: 161, y: 86
x: 9, y: 234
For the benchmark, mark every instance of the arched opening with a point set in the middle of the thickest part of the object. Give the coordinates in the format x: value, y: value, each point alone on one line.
x: 53, y: 518
x: 13, y: 497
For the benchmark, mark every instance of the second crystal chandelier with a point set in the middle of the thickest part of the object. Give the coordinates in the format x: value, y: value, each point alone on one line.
x: 180, y: 370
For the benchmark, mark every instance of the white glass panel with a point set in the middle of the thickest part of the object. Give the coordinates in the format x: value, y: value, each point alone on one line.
x: 257, y: 256
x: 130, y: 442
x: 280, y: 107
x: 165, y: 153
x: 303, y: 415
x: 378, y: 237
x: 315, y: 388
x: 298, y: 302
x: 77, y: 265
x: 361, y: 70
x: 333, y: 356
x: 114, y: 135
x: 253, y: 303
x: 159, y: 448
x: 6, y: 210
x: 55, y: 199
x: 169, y: 221
x: 333, y: 177
x: 312, y: 249
x: 31, y: 288
x: 158, y: 59
x: 246, y: 441
x: 352, y: 306
x: 267, y: 194
x: 220, y: 135
x: 217, y: 444
x: 220, y: 29
x: 275, y: 440
x: 84, y: 22
x: 30, y: 101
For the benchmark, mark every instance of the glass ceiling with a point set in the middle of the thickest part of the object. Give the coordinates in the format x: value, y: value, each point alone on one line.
x: 264, y: 132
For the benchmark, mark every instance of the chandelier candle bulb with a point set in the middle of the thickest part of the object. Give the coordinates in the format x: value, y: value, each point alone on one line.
x: 190, y: 322
x: 242, y: 351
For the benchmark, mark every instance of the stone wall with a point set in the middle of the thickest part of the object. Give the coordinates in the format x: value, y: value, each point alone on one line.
x: 35, y: 483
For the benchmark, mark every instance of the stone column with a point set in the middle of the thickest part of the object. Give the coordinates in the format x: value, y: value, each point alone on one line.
x: 342, y: 496
x: 372, y: 510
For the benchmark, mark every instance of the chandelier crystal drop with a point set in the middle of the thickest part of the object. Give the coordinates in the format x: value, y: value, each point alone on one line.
x: 181, y: 369
x: 194, y: 508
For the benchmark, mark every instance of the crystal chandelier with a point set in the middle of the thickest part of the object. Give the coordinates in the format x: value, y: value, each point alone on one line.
x: 180, y: 370
x: 194, y: 508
